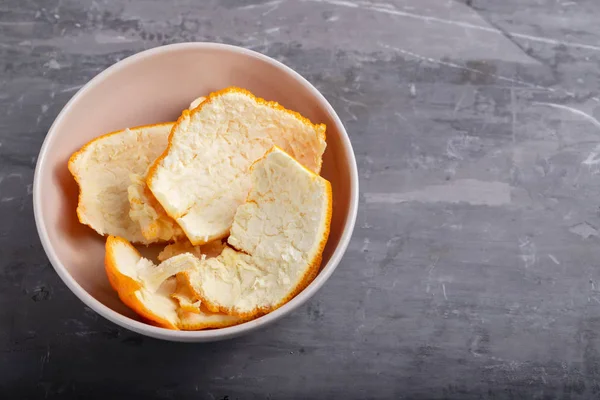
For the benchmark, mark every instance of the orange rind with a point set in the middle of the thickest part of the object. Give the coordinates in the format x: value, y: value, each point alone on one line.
x: 276, y: 242
x: 155, y: 224
x: 102, y: 168
x: 148, y: 289
x: 203, y: 176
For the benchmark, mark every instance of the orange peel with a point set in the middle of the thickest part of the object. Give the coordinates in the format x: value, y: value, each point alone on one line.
x: 102, y: 168
x: 203, y: 176
x: 154, y: 222
x: 147, y: 288
x: 277, y: 240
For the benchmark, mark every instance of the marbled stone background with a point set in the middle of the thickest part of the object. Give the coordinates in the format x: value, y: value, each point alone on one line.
x: 474, y: 268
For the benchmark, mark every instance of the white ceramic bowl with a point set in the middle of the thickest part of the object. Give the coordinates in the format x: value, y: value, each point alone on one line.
x: 154, y: 86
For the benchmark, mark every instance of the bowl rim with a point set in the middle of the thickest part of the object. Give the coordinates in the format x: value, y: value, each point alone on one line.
x: 213, y: 334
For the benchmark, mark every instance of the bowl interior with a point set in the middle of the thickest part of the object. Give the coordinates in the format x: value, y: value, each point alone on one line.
x: 155, y: 87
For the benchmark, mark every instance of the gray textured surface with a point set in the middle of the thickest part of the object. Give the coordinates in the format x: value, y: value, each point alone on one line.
x: 473, y: 271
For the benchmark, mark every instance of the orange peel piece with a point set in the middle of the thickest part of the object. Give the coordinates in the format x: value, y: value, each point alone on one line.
x: 102, y: 168
x: 277, y: 240
x: 147, y: 288
x: 154, y: 222
x: 204, y: 174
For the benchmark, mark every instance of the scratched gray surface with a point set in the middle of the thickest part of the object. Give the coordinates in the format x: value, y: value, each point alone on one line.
x: 474, y: 268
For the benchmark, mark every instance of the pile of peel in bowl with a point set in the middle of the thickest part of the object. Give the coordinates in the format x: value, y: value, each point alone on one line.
x: 231, y: 190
